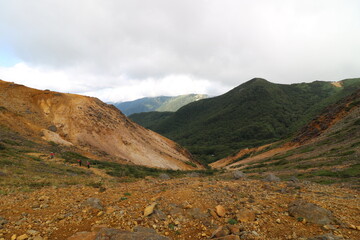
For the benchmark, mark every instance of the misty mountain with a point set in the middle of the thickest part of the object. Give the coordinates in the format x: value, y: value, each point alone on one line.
x: 159, y: 104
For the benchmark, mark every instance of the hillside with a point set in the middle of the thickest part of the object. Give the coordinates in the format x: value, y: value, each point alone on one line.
x: 255, y: 113
x: 159, y: 104
x: 85, y: 125
x: 326, y: 150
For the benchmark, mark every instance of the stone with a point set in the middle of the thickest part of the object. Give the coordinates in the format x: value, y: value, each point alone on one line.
x: 234, y: 229
x: 311, y: 212
x: 38, y: 238
x: 149, y: 209
x: 271, y: 178
x: 52, y: 128
x: 164, y: 176
x: 94, y: 203
x: 220, y: 211
x: 328, y: 236
x: 246, y: 216
x: 143, y: 229
x: 96, y: 228
x: 294, y: 179
x: 193, y: 174
x: 238, y: 174
x: 116, y: 234
x: 13, y: 237
x: 229, y: 237
x: 3, y: 221
x: 83, y: 236
x: 22, y: 237
x: 32, y: 232
x: 219, y: 232
x: 196, y: 213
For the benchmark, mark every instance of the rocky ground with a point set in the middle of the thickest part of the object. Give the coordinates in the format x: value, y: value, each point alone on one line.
x: 192, y: 207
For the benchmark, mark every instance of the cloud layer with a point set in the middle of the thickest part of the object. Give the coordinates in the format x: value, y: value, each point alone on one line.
x: 163, y: 47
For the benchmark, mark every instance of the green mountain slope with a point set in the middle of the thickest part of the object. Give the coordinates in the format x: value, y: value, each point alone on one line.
x: 252, y: 114
x: 160, y: 104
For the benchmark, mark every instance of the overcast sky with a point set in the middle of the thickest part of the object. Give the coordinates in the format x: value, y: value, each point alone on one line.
x: 120, y: 50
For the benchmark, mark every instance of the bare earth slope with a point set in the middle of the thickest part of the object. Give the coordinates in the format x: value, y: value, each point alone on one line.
x: 87, y: 124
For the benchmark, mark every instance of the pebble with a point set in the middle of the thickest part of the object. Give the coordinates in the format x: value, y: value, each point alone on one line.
x: 22, y: 237
x: 220, y: 211
x: 149, y: 209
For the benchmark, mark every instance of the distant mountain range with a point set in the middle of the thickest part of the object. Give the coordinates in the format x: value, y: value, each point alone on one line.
x: 159, y: 104
x: 255, y: 113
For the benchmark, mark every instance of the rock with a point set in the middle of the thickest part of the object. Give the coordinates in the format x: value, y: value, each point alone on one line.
x: 97, y: 228
x: 38, y: 238
x: 13, y: 237
x: 22, y: 237
x: 164, y: 176
x: 32, y: 232
x: 246, y: 216
x: 196, y: 213
x: 234, y: 229
x: 116, y: 234
x: 219, y: 232
x: 278, y: 220
x: 229, y: 237
x: 94, y: 203
x: 213, y: 213
x: 329, y: 227
x: 220, y: 211
x: 311, y: 212
x: 52, y: 128
x: 238, y: 174
x: 159, y: 214
x: 3, y: 221
x: 328, y: 236
x: 143, y: 229
x: 149, y: 209
x: 294, y: 179
x: 193, y: 174
x: 271, y: 178
x: 83, y: 236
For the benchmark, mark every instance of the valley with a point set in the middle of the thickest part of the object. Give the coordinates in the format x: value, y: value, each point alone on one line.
x: 141, y: 185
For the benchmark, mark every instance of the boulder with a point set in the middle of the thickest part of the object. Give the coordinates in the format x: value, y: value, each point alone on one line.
x: 3, y: 221
x: 311, y: 212
x: 193, y: 174
x: 246, y: 216
x: 271, y: 178
x: 238, y: 174
x: 328, y: 236
x: 220, y: 211
x: 83, y: 236
x: 116, y: 234
x: 94, y: 203
x: 164, y: 176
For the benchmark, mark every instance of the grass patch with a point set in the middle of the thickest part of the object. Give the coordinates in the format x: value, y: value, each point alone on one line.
x: 191, y: 164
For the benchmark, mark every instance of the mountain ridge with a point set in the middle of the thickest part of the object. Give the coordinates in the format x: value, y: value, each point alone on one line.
x: 254, y: 113
x: 86, y: 124
x: 160, y: 104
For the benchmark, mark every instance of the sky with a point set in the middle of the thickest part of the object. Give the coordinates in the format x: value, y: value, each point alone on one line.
x: 121, y: 50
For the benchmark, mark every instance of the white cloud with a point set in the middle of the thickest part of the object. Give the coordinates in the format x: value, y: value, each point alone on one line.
x: 114, y: 89
x: 93, y: 45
